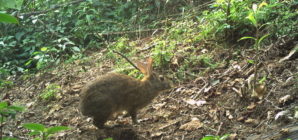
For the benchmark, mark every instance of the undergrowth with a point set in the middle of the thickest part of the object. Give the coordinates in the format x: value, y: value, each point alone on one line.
x: 62, y: 34
x: 50, y: 92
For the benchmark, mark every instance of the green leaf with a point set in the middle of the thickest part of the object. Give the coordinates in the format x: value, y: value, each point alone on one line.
x: 44, y: 49
x: 262, y: 4
x: 264, y: 25
x: 8, y: 138
x: 76, y: 49
x: 251, y: 61
x: 5, y: 112
x: 263, y: 79
x: 3, y: 71
x: 20, y: 69
x: 262, y: 38
x: 34, y: 126
x: 88, y: 19
x: 209, y: 138
x: 167, y: 58
x: 56, y: 129
x: 35, y: 53
x: 16, y: 108
x: 34, y: 133
x: 225, y: 136
x: 7, y: 18
x: 108, y: 139
x: 15, y: 4
x: 3, y: 104
x: 47, y: 135
x: 37, y: 138
x: 252, y: 18
x: 19, y: 35
x: 2, y: 118
x: 246, y: 37
x: 28, y: 62
x: 58, y: 61
x: 13, y: 115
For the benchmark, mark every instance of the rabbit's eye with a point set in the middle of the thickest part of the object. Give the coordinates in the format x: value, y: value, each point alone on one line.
x: 161, y: 78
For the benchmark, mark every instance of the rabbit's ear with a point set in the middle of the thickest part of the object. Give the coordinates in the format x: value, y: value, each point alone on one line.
x: 149, y: 66
x: 142, y: 66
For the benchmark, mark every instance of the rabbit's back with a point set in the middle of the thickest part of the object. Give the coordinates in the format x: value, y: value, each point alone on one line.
x: 111, y: 92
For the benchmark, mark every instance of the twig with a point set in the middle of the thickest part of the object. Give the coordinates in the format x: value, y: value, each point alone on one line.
x: 201, y: 90
x: 127, y: 60
x: 219, y: 128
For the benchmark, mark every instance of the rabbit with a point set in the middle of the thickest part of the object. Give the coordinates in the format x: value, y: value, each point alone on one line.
x: 115, y: 92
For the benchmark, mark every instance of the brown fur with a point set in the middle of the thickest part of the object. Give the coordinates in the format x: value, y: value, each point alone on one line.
x: 114, y: 92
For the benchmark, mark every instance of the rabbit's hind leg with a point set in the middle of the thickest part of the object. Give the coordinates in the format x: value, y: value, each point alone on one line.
x: 102, y: 115
x: 99, y: 123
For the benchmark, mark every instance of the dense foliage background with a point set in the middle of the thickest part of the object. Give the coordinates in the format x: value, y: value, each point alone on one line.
x: 53, y: 31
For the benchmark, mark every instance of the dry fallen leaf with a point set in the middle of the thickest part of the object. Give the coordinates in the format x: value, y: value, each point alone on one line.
x: 188, y: 92
x: 207, y: 89
x: 158, y: 134
x: 251, y: 121
x: 284, y: 131
x: 281, y: 113
x: 229, y: 114
x: 240, y: 119
x: 252, y: 105
x: 194, y: 102
x: 259, y: 91
x: 204, y: 51
x: 191, y: 126
x: 190, y: 101
x: 29, y: 105
x: 54, y: 108
x: 200, y: 102
x: 174, y: 61
x: 232, y: 136
x: 269, y: 114
x: 158, y: 106
x: 282, y: 100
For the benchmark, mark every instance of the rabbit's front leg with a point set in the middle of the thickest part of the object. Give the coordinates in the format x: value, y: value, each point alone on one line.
x: 133, y: 114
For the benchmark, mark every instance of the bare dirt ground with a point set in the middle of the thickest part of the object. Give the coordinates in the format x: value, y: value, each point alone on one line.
x: 218, y: 102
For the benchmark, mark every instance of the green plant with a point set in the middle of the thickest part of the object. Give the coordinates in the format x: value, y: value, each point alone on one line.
x: 224, y: 20
x: 283, y: 18
x: 49, y: 93
x: 39, y: 129
x: 163, y: 52
x: 212, y: 137
x: 253, y: 17
x: 15, y: 4
x: 5, y: 112
x: 4, y: 83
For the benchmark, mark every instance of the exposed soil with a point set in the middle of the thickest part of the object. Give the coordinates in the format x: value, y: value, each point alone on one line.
x: 218, y: 102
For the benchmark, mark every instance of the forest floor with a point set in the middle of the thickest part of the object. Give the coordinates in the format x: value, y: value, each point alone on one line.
x: 218, y: 102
